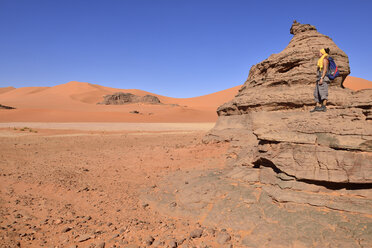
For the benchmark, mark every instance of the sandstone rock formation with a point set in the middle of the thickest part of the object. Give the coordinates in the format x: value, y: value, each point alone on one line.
x: 293, y: 178
x: 269, y: 126
x: 119, y: 98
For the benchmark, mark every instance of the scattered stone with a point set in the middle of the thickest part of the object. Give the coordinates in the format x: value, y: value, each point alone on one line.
x: 65, y: 229
x: 172, y: 243
x: 134, y: 112
x: 149, y: 240
x: 173, y: 204
x: 115, y: 236
x: 58, y: 221
x: 18, y: 216
x: 180, y: 241
x: 223, y: 237
x: 83, y: 238
x: 210, y: 231
x: 197, y: 233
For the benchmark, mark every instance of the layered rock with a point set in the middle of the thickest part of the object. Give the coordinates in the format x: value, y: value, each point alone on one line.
x: 119, y: 98
x: 269, y: 126
x: 294, y: 178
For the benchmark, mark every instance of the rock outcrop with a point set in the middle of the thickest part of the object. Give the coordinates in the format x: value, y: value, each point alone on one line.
x: 120, y: 98
x: 293, y: 178
x: 269, y: 126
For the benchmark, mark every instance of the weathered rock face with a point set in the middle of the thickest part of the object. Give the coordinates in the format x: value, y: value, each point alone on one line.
x: 294, y: 178
x: 284, y: 80
x: 269, y: 126
x: 126, y: 98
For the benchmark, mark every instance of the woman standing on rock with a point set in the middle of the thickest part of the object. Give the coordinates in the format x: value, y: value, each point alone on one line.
x: 321, y: 87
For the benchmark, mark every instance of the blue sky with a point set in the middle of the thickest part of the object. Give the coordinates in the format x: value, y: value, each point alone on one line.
x: 177, y: 48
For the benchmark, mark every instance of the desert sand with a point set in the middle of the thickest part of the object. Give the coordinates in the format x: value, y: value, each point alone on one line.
x: 356, y: 83
x: 77, y: 102
x: 77, y: 174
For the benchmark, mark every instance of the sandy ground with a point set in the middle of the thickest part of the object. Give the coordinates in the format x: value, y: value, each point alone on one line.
x: 104, y: 126
x: 80, y: 188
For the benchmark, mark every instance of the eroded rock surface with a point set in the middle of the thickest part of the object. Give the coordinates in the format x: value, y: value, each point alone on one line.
x: 251, y: 202
x: 119, y: 98
x: 293, y: 178
x: 269, y: 124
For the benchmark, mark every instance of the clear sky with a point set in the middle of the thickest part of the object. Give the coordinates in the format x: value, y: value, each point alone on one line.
x: 177, y: 48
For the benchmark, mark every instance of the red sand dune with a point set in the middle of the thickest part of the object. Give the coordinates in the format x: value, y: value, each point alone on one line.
x: 355, y: 83
x: 77, y: 102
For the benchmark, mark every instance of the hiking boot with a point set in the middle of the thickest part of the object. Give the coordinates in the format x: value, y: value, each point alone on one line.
x: 323, y: 108
x: 316, y: 108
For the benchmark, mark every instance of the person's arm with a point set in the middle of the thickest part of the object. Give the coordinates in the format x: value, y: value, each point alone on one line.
x: 325, y: 69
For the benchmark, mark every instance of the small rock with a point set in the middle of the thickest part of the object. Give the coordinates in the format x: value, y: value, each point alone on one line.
x: 115, y: 236
x: 66, y: 229
x: 101, y: 245
x: 173, y: 204
x: 83, y: 238
x: 145, y: 205
x: 149, y: 240
x: 19, y: 216
x: 180, y: 241
x: 223, y: 237
x: 172, y: 244
x: 58, y: 221
x: 211, y: 231
x: 197, y: 233
x: 157, y: 243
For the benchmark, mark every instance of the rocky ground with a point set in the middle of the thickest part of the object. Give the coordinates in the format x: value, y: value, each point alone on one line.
x: 150, y: 189
x: 82, y: 189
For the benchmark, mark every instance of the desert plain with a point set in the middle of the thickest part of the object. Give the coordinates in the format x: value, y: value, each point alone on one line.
x: 74, y: 173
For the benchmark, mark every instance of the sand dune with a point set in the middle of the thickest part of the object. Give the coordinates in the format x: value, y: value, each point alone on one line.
x: 77, y: 102
x: 6, y: 89
x: 355, y: 83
